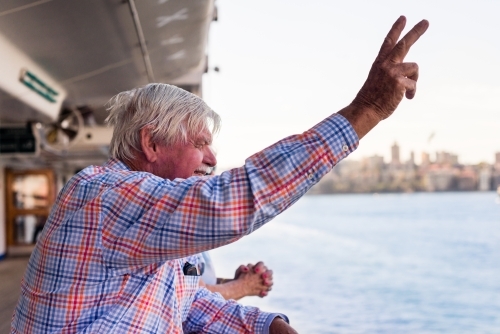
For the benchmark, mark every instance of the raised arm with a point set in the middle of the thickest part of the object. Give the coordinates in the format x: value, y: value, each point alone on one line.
x: 202, y: 213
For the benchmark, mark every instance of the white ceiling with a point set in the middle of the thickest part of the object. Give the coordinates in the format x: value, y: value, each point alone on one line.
x: 91, y: 48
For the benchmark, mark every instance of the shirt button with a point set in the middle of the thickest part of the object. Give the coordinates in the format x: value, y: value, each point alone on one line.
x: 310, y: 176
x: 345, y: 148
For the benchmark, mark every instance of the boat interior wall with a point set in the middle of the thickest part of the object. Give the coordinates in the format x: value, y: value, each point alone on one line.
x: 14, y: 112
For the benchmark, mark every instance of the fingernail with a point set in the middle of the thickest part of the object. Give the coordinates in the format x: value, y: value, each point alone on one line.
x: 264, y: 275
x: 257, y: 270
x: 245, y: 269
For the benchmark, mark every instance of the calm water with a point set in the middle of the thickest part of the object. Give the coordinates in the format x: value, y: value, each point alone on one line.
x: 399, y: 263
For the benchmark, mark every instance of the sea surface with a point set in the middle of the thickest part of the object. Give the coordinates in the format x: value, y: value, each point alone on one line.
x: 389, y: 263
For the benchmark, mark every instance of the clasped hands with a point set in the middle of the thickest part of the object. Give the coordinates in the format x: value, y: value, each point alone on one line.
x: 256, y: 280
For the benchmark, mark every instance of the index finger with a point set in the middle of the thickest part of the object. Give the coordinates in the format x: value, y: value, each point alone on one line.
x: 401, y: 49
x: 392, y: 37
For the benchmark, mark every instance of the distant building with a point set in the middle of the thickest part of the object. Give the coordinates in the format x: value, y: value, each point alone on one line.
x: 426, y: 159
x: 485, y: 179
x: 440, y: 157
x: 467, y: 180
x: 439, y: 179
x: 395, y: 154
x: 374, y: 162
x: 412, y: 159
x: 496, y: 179
x: 446, y: 158
x: 496, y: 172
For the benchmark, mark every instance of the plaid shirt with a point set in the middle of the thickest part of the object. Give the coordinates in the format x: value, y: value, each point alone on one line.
x: 111, y: 255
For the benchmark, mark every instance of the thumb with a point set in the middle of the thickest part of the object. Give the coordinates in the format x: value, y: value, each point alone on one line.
x: 241, y: 269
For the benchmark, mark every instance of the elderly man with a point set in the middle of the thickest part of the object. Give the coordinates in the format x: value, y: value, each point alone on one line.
x: 119, y: 252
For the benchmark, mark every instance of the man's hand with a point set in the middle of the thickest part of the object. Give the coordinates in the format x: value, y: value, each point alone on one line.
x: 256, y: 280
x: 388, y: 81
x: 280, y: 326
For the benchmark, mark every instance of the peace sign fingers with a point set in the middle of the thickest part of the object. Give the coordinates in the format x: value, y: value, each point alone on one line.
x: 401, y: 49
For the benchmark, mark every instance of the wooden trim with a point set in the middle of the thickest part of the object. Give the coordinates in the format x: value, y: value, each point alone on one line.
x: 37, y: 212
x: 12, y: 212
x: 8, y: 208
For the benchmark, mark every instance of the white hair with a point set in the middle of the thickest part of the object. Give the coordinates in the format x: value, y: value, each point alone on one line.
x: 171, y: 113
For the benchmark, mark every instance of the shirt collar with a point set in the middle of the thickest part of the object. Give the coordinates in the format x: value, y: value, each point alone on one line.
x: 116, y: 164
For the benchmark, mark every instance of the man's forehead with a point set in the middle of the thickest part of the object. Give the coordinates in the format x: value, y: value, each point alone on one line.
x: 204, y: 135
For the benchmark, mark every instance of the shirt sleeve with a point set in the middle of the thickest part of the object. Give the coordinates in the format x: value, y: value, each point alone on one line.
x: 147, y: 220
x: 211, y: 313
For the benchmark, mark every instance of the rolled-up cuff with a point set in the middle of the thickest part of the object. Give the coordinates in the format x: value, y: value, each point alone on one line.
x: 268, y: 319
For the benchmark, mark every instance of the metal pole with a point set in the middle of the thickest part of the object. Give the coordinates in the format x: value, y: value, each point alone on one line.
x: 142, y: 40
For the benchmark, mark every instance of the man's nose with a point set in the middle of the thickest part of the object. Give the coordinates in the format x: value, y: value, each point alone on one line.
x: 209, y: 157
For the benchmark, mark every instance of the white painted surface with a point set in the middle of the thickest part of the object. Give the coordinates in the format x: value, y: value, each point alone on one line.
x: 12, y: 61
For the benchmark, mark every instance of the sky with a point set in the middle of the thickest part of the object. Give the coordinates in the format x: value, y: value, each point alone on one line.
x: 286, y: 64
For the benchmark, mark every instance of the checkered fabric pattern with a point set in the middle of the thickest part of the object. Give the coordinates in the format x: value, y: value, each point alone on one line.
x: 111, y: 254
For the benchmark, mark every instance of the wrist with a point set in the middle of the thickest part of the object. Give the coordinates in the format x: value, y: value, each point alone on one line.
x: 362, y: 118
x: 223, y: 280
x: 232, y: 289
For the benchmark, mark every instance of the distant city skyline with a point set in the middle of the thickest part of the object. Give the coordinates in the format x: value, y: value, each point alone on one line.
x: 443, y: 173
x: 395, y: 151
x: 394, y: 156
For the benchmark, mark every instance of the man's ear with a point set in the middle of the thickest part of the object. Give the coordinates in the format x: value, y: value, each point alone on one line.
x: 148, y: 146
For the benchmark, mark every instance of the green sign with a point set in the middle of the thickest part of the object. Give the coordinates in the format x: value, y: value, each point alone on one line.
x: 35, y: 84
